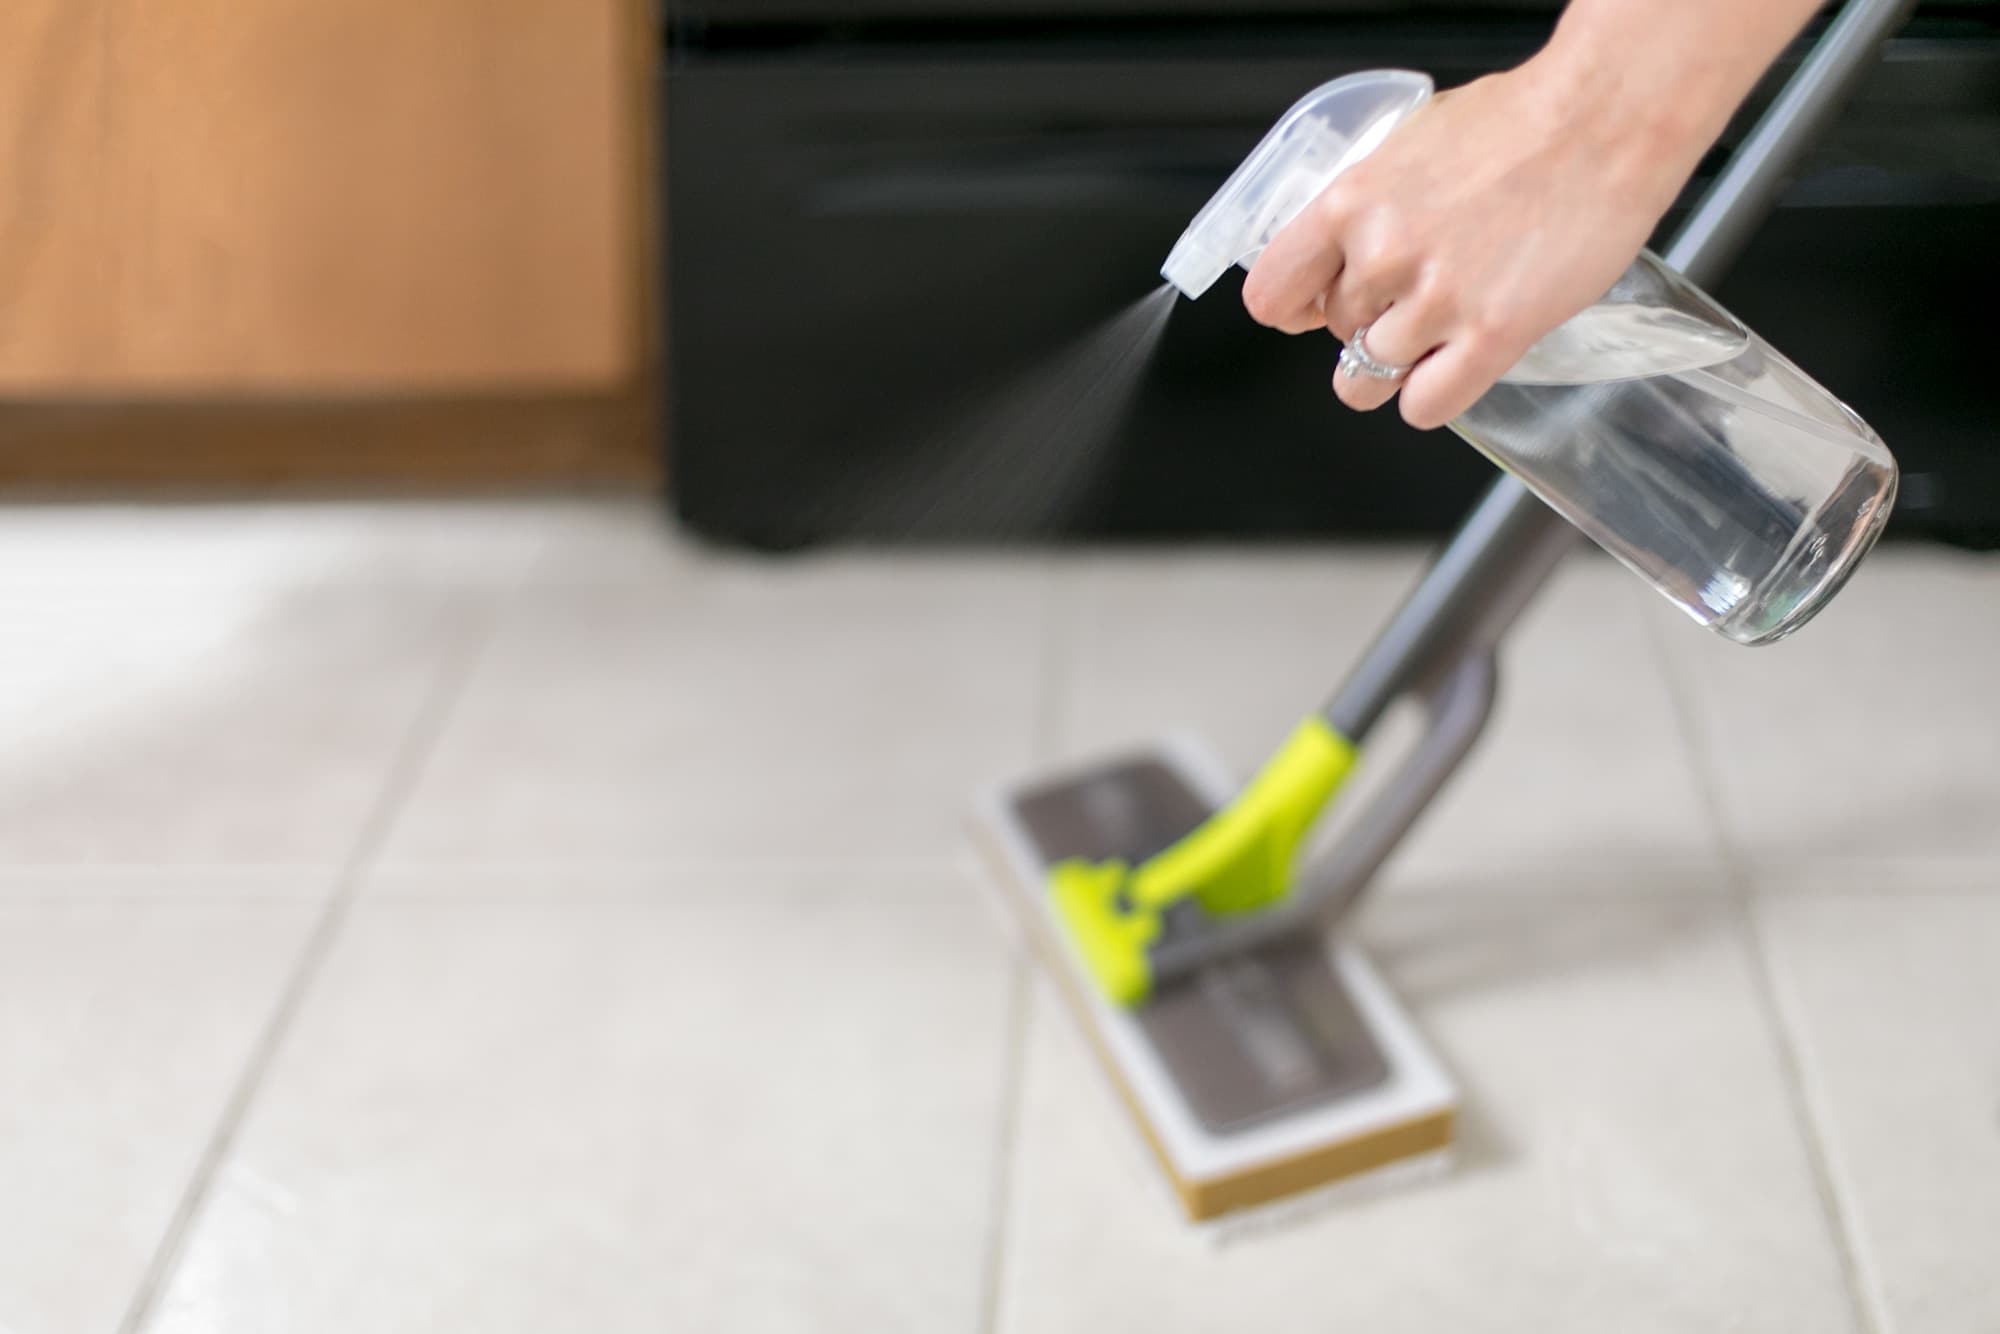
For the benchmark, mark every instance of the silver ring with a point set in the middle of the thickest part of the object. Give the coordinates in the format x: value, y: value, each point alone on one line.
x: 1355, y: 360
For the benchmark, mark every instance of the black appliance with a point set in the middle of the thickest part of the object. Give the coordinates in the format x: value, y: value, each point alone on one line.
x: 878, y: 208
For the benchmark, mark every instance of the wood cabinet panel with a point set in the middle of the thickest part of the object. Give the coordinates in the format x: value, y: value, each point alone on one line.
x: 319, y: 196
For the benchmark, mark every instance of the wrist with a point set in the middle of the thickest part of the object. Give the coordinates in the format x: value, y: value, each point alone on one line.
x: 1644, y: 124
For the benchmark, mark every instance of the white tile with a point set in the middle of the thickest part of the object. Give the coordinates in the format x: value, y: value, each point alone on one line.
x: 1421, y: 872
x: 733, y: 1116
x: 1586, y: 767
x: 1892, y: 996
x: 215, y: 885
x: 122, y: 1032
x: 725, y: 879
x: 627, y: 540
x: 282, y: 542
x: 1887, y: 876
x: 1584, y: 771
x: 1873, y: 731
x: 835, y: 706
x: 207, y: 724
x: 1629, y: 1156
x: 1235, y: 644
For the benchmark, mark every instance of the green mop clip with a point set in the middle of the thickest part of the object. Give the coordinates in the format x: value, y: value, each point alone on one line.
x: 1239, y: 860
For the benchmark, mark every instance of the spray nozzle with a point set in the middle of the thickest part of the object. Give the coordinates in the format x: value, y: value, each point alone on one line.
x: 1325, y: 132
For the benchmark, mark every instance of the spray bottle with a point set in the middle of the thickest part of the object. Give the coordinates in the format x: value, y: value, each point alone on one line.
x: 1654, y: 421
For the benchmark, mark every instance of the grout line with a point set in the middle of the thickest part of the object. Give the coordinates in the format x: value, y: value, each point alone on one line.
x: 749, y: 864
x: 1842, y: 1226
x: 1006, y: 1134
x: 1871, y: 1311
x: 1052, y: 676
x: 405, y: 768
x: 916, y: 899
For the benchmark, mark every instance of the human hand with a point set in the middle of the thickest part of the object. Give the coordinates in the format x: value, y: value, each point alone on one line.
x: 1494, y: 214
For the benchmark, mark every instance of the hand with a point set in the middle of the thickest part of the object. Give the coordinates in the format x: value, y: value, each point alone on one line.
x: 1491, y: 216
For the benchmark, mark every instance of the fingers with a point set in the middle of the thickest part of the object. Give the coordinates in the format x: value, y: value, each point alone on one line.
x: 1381, y: 269
x: 1403, y: 335
x: 1452, y: 378
x: 1289, y: 282
x: 1353, y: 304
x: 1345, y: 266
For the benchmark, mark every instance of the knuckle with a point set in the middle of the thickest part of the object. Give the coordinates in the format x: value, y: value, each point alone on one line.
x: 1389, y: 258
x: 1346, y: 313
x: 1498, y: 326
x: 1368, y: 268
x: 1334, y: 206
x: 1383, y: 245
x: 1435, y: 302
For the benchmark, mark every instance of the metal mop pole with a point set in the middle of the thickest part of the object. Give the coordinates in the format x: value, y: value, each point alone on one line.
x: 1439, y: 646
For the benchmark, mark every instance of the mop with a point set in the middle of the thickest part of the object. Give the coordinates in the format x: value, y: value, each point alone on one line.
x: 1259, y: 1054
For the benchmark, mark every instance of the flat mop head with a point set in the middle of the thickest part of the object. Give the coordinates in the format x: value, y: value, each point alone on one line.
x: 1238, y: 860
x: 1262, y: 1077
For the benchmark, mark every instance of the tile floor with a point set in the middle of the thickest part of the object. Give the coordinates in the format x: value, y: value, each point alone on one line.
x: 509, y: 917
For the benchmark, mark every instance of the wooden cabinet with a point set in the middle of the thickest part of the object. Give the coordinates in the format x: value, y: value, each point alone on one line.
x: 232, y: 200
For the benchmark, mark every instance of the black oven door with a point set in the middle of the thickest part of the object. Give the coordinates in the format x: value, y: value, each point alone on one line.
x: 872, y: 231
